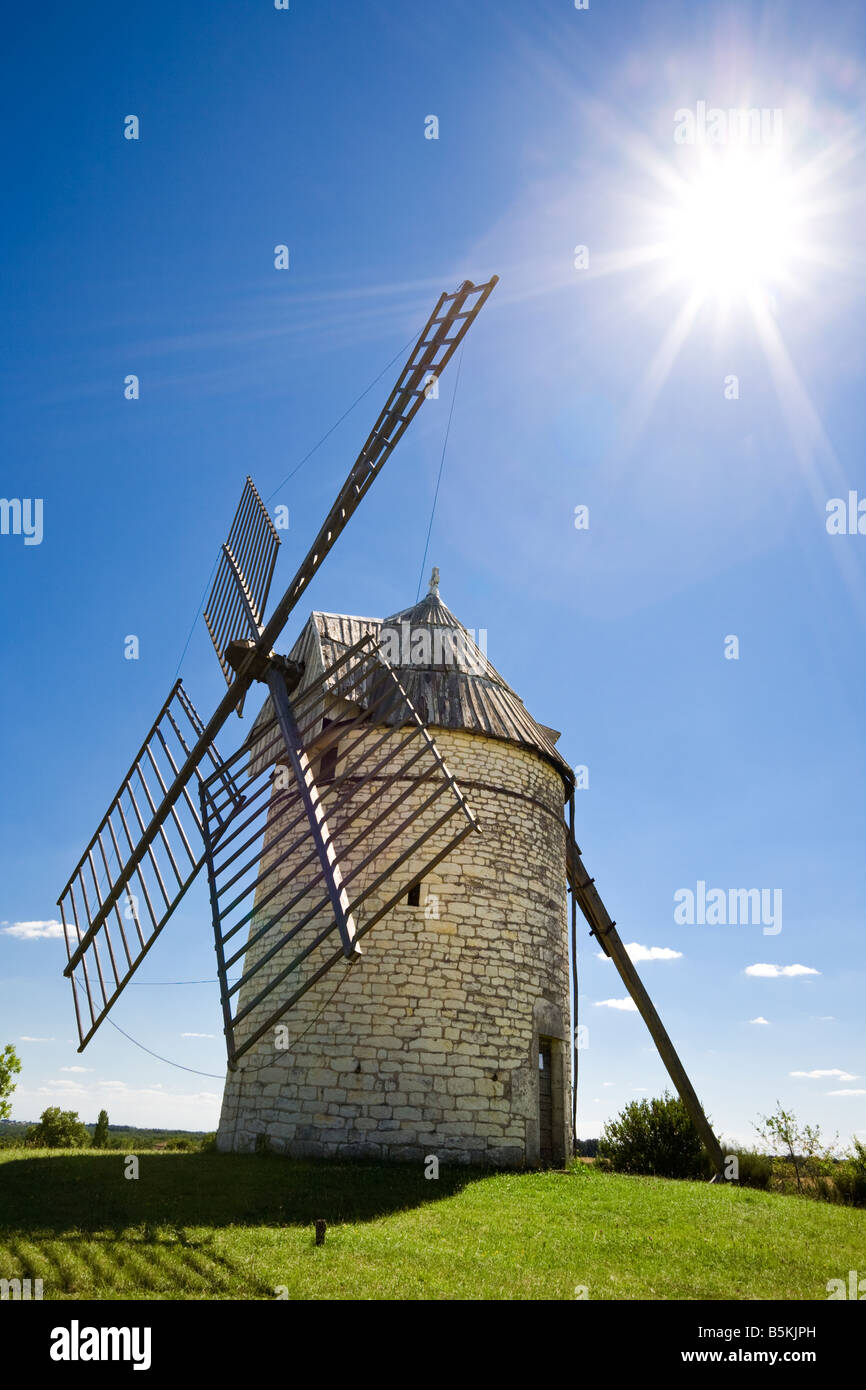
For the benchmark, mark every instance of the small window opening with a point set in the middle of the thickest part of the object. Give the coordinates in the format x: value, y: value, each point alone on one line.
x: 328, y: 761
x: 413, y: 897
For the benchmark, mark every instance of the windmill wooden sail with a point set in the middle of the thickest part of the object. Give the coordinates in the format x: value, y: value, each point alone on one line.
x: 290, y: 890
x: 154, y: 799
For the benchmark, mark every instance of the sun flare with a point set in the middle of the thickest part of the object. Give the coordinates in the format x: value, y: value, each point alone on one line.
x: 739, y: 230
x: 731, y: 233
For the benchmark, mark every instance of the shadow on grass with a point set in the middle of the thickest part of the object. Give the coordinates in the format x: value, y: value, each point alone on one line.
x: 89, y: 1192
x: 157, y: 1263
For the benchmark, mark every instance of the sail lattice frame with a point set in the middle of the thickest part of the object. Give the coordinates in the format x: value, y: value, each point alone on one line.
x: 245, y: 568
x: 393, y: 812
x: 126, y: 884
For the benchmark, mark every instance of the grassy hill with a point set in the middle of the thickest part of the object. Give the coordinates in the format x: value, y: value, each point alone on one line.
x: 207, y: 1226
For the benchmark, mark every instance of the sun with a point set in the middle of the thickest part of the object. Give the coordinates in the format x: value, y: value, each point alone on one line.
x: 731, y: 233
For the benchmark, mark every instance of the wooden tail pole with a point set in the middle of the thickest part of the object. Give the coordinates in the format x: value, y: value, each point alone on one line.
x: 605, y: 931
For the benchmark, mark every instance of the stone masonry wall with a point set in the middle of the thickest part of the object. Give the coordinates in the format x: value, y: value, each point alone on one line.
x: 430, y: 1045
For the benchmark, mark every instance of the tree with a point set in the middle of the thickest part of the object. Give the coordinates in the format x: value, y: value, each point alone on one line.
x: 10, y: 1065
x: 100, y: 1133
x: 803, y: 1143
x: 58, y: 1129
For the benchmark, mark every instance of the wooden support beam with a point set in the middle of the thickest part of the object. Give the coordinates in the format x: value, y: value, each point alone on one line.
x: 605, y: 931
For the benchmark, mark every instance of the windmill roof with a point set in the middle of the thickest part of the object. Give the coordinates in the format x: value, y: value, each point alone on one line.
x: 445, y: 673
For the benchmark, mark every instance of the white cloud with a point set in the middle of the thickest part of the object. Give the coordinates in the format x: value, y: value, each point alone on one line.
x: 846, y: 1093
x: 35, y: 931
x: 24, y: 1038
x: 198, y: 1035
x: 76, y: 1068
x: 759, y: 1019
x: 638, y: 952
x: 772, y: 972
x: 627, y: 1005
x: 608, y: 1083
x: 123, y: 1086
x: 818, y: 1075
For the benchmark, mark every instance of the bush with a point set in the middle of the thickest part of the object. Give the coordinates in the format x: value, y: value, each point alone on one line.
x: 849, y: 1179
x: 655, y: 1137
x: 208, y: 1143
x: 753, y: 1169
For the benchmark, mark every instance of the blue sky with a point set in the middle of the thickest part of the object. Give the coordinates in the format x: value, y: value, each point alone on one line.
x: 707, y: 513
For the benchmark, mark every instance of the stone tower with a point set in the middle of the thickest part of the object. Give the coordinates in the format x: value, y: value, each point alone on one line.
x: 451, y: 1035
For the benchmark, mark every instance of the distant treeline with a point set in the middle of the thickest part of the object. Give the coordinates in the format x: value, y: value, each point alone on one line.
x: 12, y: 1133
x: 585, y: 1148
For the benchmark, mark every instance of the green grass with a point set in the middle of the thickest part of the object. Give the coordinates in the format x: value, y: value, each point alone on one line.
x: 206, y: 1226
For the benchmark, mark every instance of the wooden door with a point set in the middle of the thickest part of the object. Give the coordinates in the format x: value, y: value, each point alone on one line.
x: 545, y: 1100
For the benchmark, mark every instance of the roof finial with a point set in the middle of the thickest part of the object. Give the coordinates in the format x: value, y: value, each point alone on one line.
x: 433, y: 591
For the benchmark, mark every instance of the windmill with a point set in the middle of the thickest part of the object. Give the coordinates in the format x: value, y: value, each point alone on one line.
x: 330, y: 817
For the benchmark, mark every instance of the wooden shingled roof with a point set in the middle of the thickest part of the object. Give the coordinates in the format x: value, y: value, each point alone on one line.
x: 456, y: 687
